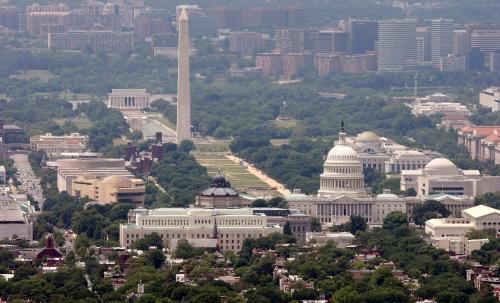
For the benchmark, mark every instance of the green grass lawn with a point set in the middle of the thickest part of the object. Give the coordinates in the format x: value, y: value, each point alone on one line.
x: 164, y: 121
x: 80, y: 122
x: 290, y: 123
x: 31, y: 74
x: 239, y: 177
x: 220, y: 146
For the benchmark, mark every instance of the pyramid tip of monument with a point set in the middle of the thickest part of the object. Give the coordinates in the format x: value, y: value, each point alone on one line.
x: 183, y: 14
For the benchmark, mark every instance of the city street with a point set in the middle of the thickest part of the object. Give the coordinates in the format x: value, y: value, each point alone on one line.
x: 30, y: 183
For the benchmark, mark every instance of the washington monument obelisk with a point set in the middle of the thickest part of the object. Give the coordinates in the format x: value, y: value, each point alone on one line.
x: 183, y: 87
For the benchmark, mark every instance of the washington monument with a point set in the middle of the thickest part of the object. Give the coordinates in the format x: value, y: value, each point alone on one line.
x: 183, y: 87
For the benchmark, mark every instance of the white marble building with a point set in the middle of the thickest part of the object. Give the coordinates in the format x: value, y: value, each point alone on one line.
x: 211, y: 228
x: 342, y: 193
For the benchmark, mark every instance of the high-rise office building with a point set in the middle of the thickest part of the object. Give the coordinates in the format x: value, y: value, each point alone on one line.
x: 290, y: 40
x: 424, y: 38
x: 362, y: 36
x: 460, y: 42
x: 442, y: 39
x: 105, y: 41
x: 488, y: 41
x: 396, y: 44
x: 332, y: 42
x: 245, y: 43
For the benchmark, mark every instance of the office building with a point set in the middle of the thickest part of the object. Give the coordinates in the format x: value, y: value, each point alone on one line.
x: 111, y: 189
x: 441, y: 176
x: 482, y: 142
x: 14, y: 219
x: 490, y: 98
x: 54, y: 145
x: 363, y: 35
x: 460, y: 42
x: 223, y: 229
x: 95, y: 41
x: 311, y: 39
x: 269, y: 63
x: 290, y: 40
x: 480, y: 217
x: 475, y: 60
x: 38, y: 16
x: 226, y: 17
x: 442, y: 39
x: 434, y: 108
x: 147, y: 25
x: 424, y: 42
x: 70, y: 169
x: 245, y: 43
x: 451, y: 63
x: 200, y: 24
x: 495, y: 62
x: 396, y: 44
x: 9, y: 17
x: 458, y: 245
x: 487, y: 41
x: 332, y: 43
x: 128, y: 99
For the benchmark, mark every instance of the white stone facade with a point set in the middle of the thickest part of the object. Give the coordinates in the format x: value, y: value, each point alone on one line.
x: 128, y: 99
x: 72, y: 143
x: 490, y: 98
x: 229, y: 227
x: 441, y: 176
x: 480, y: 217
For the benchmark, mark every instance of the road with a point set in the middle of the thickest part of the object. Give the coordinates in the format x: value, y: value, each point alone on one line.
x: 30, y: 183
x: 261, y: 175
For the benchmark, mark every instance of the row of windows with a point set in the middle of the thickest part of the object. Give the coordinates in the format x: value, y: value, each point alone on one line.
x: 224, y: 222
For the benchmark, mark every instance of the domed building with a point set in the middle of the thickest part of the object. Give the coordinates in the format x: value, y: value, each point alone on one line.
x: 342, y: 193
x: 343, y: 172
x: 220, y: 195
x: 441, y: 176
x: 385, y: 155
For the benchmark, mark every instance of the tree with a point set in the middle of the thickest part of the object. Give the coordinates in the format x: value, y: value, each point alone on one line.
x: 259, y: 203
x: 185, y: 250
x: 152, y: 239
x: 135, y: 135
x: 155, y: 258
x: 357, y: 223
x: 395, y: 220
x: 186, y: 146
x: 428, y: 210
x: 315, y: 225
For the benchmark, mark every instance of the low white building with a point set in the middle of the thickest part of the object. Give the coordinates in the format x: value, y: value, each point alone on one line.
x: 341, y: 239
x: 72, y: 143
x: 226, y: 229
x: 442, y: 176
x: 14, y: 219
x: 433, y: 108
x: 480, y: 217
x: 490, y: 98
x: 458, y: 245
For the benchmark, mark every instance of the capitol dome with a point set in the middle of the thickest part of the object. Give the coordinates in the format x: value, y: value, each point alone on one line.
x: 367, y: 136
x: 342, y: 171
x: 441, y: 166
x: 341, y: 152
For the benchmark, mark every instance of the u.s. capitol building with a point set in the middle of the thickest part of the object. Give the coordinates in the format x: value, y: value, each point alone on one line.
x: 342, y: 193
